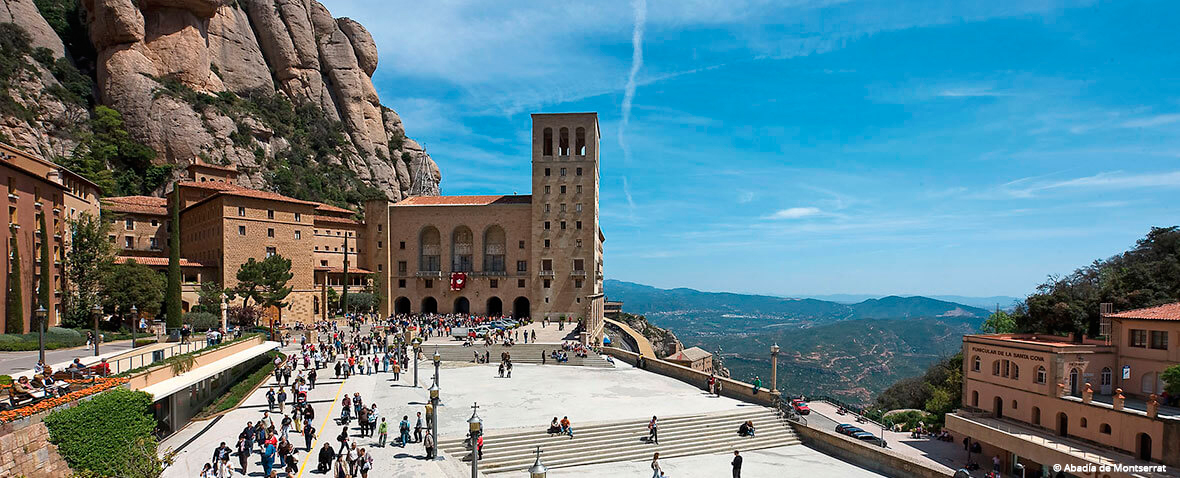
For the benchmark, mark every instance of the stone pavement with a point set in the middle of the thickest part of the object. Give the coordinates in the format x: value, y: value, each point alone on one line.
x: 530, y: 399
x: 775, y: 462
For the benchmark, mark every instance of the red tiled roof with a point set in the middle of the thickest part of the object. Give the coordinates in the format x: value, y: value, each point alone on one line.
x: 340, y: 270
x: 1159, y: 312
x: 334, y: 209
x: 202, y: 164
x: 160, y: 261
x: 337, y: 220
x: 235, y: 190
x: 465, y: 200
x: 136, y: 205
x: 691, y: 354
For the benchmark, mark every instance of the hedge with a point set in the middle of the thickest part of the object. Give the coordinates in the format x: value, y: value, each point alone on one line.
x: 55, y: 338
x: 100, y: 435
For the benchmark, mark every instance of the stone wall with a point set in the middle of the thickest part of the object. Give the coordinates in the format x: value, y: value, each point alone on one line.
x: 729, y: 387
x: 880, y: 460
x: 25, y: 451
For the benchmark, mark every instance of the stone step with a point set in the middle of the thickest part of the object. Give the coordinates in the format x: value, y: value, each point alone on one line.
x: 634, y: 453
x: 626, y: 441
x: 666, y: 423
x: 667, y: 426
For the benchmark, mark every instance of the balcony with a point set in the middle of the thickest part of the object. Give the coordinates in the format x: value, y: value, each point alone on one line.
x: 578, y: 273
x: 430, y: 274
x: 548, y: 274
x: 493, y: 273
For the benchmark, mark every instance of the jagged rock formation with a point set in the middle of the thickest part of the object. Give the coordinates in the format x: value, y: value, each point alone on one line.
x: 162, y: 63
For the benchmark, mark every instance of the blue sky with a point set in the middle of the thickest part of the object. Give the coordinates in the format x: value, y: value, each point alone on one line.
x: 814, y: 147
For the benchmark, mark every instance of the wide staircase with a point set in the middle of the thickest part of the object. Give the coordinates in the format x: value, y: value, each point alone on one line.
x: 685, y: 435
x: 520, y: 353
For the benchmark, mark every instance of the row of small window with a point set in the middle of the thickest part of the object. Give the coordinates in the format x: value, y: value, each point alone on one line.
x: 577, y: 207
x: 129, y: 224
x: 270, y: 232
x: 1007, y: 369
x: 1153, y: 339
x: 129, y: 242
x: 562, y: 171
x: 549, y: 190
x: 270, y: 214
x: 577, y: 225
x: 495, y: 283
x: 521, y: 266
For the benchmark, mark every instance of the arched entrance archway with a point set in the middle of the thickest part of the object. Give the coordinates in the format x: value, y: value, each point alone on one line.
x: 1144, y: 446
x: 401, y: 306
x: 998, y: 407
x: 1062, y: 424
x: 495, y: 307
x: 462, y: 306
x: 520, y: 308
x: 1073, y: 382
x: 429, y: 306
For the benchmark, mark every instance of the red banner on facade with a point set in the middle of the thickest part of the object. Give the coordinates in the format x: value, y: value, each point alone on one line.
x: 458, y: 280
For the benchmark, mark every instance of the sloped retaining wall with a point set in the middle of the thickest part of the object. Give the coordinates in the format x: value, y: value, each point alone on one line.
x: 729, y: 387
x: 25, y: 450
x: 880, y: 460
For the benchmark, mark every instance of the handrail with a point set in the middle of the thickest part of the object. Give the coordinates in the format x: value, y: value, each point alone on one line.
x: 1029, y: 435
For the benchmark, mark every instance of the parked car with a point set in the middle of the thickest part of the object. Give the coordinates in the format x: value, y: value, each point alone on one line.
x: 846, y: 429
x: 871, y: 438
x: 800, y: 407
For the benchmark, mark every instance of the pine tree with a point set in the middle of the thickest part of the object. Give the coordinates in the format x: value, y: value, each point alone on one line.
x: 174, y: 313
x: 46, y: 289
x: 14, y: 319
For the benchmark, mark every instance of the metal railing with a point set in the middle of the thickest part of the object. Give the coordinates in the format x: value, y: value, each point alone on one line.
x: 1031, y: 435
x: 147, y: 357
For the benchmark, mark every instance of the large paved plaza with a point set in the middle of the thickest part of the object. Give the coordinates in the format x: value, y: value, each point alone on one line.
x: 530, y: 399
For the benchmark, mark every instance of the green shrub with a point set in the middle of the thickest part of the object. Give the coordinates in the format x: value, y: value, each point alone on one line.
x: 202, y: 320
x: 100, y: 435
x: 7, y: 379
x: 61, y: 334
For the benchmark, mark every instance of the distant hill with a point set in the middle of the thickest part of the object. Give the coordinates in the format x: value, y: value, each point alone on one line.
x: 848, y: 350
x: 986, y: 302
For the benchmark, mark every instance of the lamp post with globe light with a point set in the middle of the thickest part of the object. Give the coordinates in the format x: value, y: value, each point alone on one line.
x: 134, y: 323
x: 538, y: 470
x: 42, y: 315
x: 437, y: 359
x: 95, y: 312
x: 475, y: 429
x: 434, y: 416
x: 774, y: 350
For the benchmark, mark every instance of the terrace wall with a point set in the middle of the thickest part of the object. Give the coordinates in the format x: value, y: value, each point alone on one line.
x: 729, y: 387
x: 25, y: 450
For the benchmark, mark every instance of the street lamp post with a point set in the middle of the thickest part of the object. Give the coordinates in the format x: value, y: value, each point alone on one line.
x: 437, y: 360
x: 41, y: 316
x: 134, y: 324
x: 95, y: 312
x: 224, y: 314
x: 475, y: 429
x: 538, y: 470
x: 774, y: 369
x: 434, y: 416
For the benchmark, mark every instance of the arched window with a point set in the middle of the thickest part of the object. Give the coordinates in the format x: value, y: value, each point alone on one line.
x: 580, y: 141
x: 975, y: 398
x: 1104, y: 428
x: 1084, y: 422
x: 1105, y: 376
x: 1015, y: 371
x: 461, y: 252
x: 547, y: 142
x: 1041, y: 374
x: 996, y: 367
x: 1014, y: 404
x: 563, y: 145
x: 975, y: 363
x: 428, y: 247
x: 1036, y: 415
x: 493, y: 249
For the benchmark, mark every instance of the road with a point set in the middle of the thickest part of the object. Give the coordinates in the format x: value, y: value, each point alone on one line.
x: 16, y: 362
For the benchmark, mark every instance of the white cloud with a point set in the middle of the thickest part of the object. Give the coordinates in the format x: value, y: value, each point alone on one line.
x: 1029, y: 187
x: 745, y: 197
x: 1152, y: 121
x: 795, y: 213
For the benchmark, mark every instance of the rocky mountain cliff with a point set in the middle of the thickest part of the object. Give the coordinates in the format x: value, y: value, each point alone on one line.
x: 279, y: 88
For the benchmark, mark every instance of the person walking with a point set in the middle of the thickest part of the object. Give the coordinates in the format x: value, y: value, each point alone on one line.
x: 656, y: 472
x: 308, y: 435
x: 365, y: 461
x: 418, y: 429
x: 737, y: 464
x: 270, y: 399
x: 268, y: 459
x: 282, y: 399
x: 404, y: 430
x: 382, y: 432
x: 327, y: 454
x: 244, y: 449
x: 428, y: 442
x: 653, y: 435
